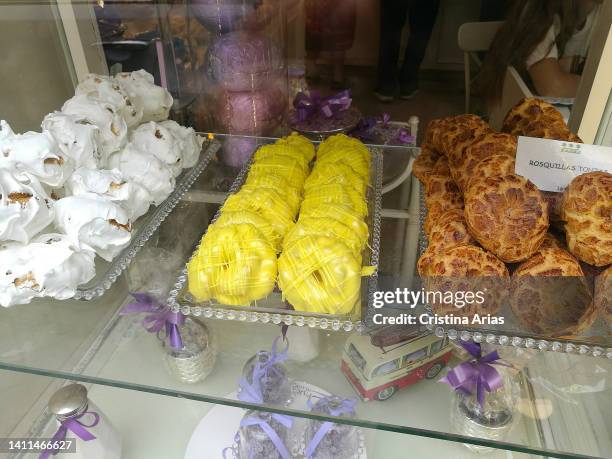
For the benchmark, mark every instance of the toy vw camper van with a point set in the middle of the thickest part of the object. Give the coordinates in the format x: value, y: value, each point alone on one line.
x: 378, y: 365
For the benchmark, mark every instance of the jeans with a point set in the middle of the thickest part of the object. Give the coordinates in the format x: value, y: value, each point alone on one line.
x: 421, y: 16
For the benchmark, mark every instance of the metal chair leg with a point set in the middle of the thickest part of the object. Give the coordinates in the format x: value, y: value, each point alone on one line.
x: 466, y: 69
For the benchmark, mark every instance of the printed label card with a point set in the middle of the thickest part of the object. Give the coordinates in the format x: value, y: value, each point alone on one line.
x: 552, y: 164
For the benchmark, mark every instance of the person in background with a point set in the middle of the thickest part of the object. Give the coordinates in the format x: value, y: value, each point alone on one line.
x: 493, y: 10
x: 330, y: 27
x: 546, y: 41
x: 421, y: 17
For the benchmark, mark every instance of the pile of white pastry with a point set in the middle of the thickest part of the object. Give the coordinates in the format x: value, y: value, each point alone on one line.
x: 73, y: 190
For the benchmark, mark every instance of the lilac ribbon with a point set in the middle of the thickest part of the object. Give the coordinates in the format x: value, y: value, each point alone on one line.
x: 308, y: 105
x: 476, y: 374
x: 346, y: 406
x: 252, y: 392
x: 404, y: 137
x: 366, y: 130
x: 270, y: 432
x: 77, y: 427
x: 161, y: 317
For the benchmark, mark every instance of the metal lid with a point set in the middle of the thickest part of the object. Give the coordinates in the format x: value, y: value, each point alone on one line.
x: 69, y: 401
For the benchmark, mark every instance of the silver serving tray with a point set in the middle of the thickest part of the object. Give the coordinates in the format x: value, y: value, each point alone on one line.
x: 272, y: 308
x: 513, y: 334
x: 108, y: 272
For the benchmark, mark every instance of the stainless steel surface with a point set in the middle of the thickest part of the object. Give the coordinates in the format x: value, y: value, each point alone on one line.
x: 69, y: 401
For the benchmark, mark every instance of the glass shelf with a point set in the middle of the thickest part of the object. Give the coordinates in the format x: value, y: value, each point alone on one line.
x: 161, y: 439
x: 568, y: 391
x: 90, y: 342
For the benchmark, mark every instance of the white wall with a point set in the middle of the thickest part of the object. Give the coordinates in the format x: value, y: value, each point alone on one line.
x: 35, y: 77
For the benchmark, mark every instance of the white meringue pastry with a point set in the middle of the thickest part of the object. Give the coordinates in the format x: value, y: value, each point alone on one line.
x: 25, y: 207
x: 139, y: 85
x: 76, y: 137
x: 113, y: 128
x: 95, y: 223
x: 5, y: 130
x: 154, y: 138
x: 48, y: 266
x: 105, y: 89
x: 111, y: 185
x: 35, y: 153
x: 146, y: 170
x: 191, y: 142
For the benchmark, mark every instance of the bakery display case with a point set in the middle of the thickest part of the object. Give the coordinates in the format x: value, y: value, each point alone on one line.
x: 131, y: 378
x: 182, y: 274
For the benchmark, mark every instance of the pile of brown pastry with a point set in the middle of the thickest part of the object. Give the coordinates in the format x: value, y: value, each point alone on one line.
x: 489, y: 230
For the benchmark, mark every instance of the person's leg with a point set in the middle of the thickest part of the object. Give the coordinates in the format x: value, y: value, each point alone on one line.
x: 341, y: 23
x: 421, y: 16
x: 392, y: 19
x: 338, y: 75
x: 312, y: 37
x: 312, y: 71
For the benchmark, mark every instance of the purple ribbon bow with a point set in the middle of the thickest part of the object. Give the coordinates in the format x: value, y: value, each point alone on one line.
x: 346, y: 406
x: 77, y: 427
x: 308, y: 105
x: 403, y: 137
x: 161, y: 317
x: 478, y: 373
x: 252, y: 392
x: 369, y: 129
x: 270, y: 432
x: 364, y: 130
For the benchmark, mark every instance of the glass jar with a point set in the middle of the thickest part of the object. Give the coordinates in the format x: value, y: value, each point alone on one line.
x: 195, y: 360
x: 243, y: 76
x: 266, y: 378
x: 494, y: 419
x: 255, y: 442
x: 339, y: 441
x: 70, y: 404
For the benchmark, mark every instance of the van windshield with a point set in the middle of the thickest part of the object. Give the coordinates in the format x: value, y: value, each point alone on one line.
x: 356, y: 357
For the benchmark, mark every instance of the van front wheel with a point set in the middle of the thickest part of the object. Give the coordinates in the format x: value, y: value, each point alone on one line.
x: 386, y: 393
x: 434, y: 370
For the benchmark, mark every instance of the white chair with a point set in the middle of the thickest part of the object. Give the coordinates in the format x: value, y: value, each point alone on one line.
x: 514, y: 89
x: 474, y: 37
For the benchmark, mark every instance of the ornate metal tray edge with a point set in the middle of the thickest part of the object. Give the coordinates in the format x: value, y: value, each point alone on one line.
x: 505, y: 338
x: 153, y: 220
x: 291, y: 317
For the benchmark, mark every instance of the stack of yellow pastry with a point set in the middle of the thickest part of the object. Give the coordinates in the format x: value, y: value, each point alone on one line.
x: 236, y: 262
x: 320, y: 267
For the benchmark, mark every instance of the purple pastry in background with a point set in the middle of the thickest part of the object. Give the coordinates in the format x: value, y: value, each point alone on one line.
x: 251, y: 112
x: 223, y: 16
x: 243, y: 61
x: 237, y: 150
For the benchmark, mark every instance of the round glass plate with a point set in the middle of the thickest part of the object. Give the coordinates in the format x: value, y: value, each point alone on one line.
x: 319, y: 127
x: 217, y: 430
